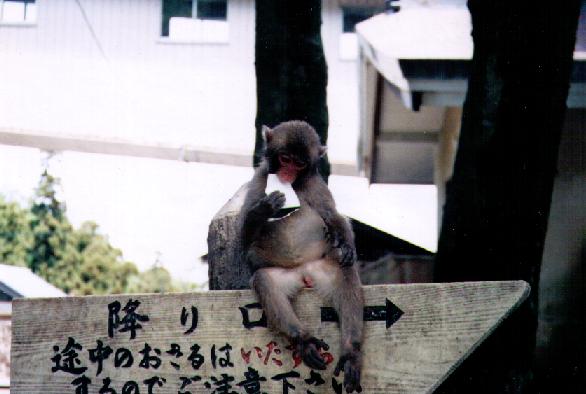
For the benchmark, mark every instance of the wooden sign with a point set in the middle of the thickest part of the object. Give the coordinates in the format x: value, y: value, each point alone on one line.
x: 217, y: 342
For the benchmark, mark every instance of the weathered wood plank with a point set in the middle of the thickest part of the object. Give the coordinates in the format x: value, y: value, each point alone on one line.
x: 224, y: 270
x: 440, y: 326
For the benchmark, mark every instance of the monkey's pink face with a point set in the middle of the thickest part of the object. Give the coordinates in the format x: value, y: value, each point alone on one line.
x: 289, y: 168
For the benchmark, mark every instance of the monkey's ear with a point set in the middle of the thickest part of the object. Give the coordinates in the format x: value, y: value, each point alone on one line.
x: 267, y: 133
x: 322, y: 150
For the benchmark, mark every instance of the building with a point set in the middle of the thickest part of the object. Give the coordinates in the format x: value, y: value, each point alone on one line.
x: 16, y: 282
x: 413, y: 86
x: 156, y: 78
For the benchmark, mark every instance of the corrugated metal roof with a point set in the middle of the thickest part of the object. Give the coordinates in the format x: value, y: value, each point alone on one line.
x: 20, y: 282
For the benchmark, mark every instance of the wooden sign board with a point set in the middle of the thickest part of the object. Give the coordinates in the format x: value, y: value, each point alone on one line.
x: 217, y: 342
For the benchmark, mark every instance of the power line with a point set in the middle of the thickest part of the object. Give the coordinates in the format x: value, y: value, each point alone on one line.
x: 91, y: 29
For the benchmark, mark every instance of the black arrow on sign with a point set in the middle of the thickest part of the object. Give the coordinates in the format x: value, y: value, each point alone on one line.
x: 389, y: 313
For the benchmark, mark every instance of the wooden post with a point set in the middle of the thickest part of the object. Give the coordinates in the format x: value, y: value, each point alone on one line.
x: 224, y: 270
x: 415, y: 336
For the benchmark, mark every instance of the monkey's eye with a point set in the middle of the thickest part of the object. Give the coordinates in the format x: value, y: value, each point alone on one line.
x: 285, y: 159
x: 299, y: 164
x: 289, y: 161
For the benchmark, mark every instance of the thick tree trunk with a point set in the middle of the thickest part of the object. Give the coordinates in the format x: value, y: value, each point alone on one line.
x: 497, y: 203
x: 291, y: 71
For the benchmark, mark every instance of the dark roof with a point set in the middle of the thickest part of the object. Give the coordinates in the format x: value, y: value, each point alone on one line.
x: 372, y: 243
x: 443, y: 69
x: 434, y: 68
x: 7, y: 293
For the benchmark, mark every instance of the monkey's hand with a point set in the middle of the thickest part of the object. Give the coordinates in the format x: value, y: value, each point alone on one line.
x: 351, y: 364
x: 342, y: 251
x: 269, y: 205
x: 346, y: 254
x: 308, y: 349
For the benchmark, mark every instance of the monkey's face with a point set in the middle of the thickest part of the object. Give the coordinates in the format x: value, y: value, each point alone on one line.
x: 292, y: 150
x: 289, y: 167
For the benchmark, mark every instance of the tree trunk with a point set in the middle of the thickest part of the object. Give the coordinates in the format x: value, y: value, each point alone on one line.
x: 497, y: 203
x: 291, y: 71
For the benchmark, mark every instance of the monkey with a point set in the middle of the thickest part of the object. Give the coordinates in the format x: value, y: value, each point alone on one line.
x: 311, y: 247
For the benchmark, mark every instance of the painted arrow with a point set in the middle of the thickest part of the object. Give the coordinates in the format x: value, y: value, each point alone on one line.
x: 389, y: 313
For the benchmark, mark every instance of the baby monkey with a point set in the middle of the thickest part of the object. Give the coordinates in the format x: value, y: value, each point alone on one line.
x: 311, y: 247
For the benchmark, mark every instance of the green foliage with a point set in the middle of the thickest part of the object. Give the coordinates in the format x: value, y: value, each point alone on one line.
x: 79, y: 261
x: 16, y: 237
x: 157, y: 280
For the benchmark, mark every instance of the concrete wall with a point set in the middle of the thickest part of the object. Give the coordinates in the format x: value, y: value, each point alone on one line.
x: 54, y: 77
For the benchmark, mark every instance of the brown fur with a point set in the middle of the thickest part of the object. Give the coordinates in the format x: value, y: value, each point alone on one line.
x: 314, y: 244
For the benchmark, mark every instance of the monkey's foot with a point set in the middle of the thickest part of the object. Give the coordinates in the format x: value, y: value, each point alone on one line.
x: 308, y: 349
x: 350, y: 364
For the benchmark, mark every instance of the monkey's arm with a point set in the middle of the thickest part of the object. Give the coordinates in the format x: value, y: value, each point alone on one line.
x: 314, y: 191
x: 257, y: 207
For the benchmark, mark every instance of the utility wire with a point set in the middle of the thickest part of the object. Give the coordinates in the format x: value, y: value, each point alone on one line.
x: 91, y: 29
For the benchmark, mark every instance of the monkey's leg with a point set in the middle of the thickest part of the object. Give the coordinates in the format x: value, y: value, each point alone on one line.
x: 341, y: 285
x: 349, y: 303
x: 274, y: 286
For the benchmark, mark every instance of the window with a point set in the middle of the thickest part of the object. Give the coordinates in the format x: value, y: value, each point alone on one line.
x: 185, y: 19
x: 348, y: 44
x: 354, y: 15
x: 212, y: 9
x: 18, y: 11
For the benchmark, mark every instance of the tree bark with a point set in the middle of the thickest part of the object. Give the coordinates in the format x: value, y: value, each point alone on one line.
x: 497, y: 203
x: 291, y: 71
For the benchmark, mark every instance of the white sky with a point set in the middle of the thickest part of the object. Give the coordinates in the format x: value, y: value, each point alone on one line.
x: 148, y: 206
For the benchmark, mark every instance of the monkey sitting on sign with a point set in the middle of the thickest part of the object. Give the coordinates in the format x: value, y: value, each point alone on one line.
x: 311, y: 247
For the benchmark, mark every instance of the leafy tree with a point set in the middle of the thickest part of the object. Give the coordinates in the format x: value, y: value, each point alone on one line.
x: 49, y: 226
x: 157, y: 280
x: 16, y: 237
x: 79, y: 261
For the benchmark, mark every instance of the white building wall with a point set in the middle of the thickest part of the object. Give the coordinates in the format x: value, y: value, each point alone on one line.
x: 54, y: 78
x: 342, y: 88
